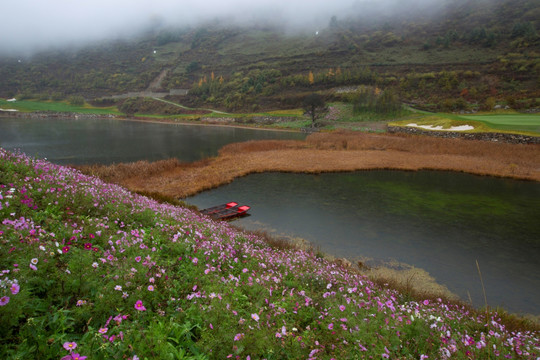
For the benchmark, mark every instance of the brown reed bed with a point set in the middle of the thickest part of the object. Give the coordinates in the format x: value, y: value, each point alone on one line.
x: 326, y: 152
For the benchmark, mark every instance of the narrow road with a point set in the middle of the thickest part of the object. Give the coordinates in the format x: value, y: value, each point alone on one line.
x: 188, y: 108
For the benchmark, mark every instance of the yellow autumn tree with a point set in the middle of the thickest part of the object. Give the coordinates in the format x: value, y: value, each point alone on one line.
x: 311, y: 78
x: 212, y: 76
x: 221, y: 80
x: 200, y: 82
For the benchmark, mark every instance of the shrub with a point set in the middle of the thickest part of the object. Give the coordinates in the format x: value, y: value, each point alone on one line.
x: 76, y: 100
x: 489, y: 104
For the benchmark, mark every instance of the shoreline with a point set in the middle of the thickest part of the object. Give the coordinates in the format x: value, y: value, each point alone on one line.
x: 176, y: 121
x: 336, y: 153
x: 326, y: 152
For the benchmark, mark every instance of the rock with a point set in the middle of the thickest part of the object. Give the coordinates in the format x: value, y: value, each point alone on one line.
x: 494, y: 137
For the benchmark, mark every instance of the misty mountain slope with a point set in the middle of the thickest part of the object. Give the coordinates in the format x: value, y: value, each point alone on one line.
x: 490, y: 48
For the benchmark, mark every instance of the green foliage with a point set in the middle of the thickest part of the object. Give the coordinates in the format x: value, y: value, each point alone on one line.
x: 314, y: 106
x: 481, y: 36
x: 386, y: 104
x: 199, y: 37
x: 76, y: 100
x: 192, y: 67
x: 489, y: 104
x: 525, y: 30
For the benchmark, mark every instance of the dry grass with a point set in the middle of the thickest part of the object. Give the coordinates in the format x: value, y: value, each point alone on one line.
x: 262, y: 145
x: 326, y: 152
x: 411, y: 281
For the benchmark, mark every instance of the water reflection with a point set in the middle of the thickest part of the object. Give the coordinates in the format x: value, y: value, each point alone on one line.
x: 439, y: 221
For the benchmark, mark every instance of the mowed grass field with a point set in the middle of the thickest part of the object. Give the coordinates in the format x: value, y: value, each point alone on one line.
x: 519, y: 122
x: 527, y: 124
x: 55, y: 106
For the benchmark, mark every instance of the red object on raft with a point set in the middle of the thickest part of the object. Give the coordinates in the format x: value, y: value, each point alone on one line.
x: 226, y: 211
x: 214, y: 209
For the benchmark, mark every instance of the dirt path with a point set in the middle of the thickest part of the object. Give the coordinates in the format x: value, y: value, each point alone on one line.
x: 156, y: 83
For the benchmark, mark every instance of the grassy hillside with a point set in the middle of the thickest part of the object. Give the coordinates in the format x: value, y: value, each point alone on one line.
x: 467, y: 54
x: 91, y: 270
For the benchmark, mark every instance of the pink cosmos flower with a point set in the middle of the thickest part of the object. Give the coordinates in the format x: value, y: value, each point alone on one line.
x: 137, y: 258
x: 65, y: 249
x: 331, y: 326
x: 103, y: 330
x: 15, y: 288
x: 342, y: 307
x: 255, y: 317
x: 238, y: 336
x: 70, y: 345
x: 88, y: 246
x: 78, y: 357
x: 4, y: 300
x: 33, y: 267
x: 139, y: 306
x: 150, y: 288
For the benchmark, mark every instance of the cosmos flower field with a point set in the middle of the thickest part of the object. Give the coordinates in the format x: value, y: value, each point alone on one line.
x: 92, y: 271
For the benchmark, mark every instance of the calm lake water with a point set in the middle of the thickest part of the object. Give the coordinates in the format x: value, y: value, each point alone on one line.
x: 107, y: 141
x: 441, y: 222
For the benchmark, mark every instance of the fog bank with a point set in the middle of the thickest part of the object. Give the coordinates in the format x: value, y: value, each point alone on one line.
x: 31, y: 25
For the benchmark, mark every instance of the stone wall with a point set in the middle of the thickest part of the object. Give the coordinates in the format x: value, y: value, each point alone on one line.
x: 495, y: 137
x: 52, y: 114
x: 263, y: 120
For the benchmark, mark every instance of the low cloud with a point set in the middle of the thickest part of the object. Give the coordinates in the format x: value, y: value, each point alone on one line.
x: 31, y: 25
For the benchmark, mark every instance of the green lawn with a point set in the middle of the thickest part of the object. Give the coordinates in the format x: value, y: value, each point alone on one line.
x: 519, y: 122
x: 35, y: 105
x: 527, y: 124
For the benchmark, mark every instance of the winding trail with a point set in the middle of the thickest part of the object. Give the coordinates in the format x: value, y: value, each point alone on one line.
x: 188, y: 108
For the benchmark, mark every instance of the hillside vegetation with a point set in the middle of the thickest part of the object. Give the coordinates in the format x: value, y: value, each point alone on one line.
x: 469, y: 54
